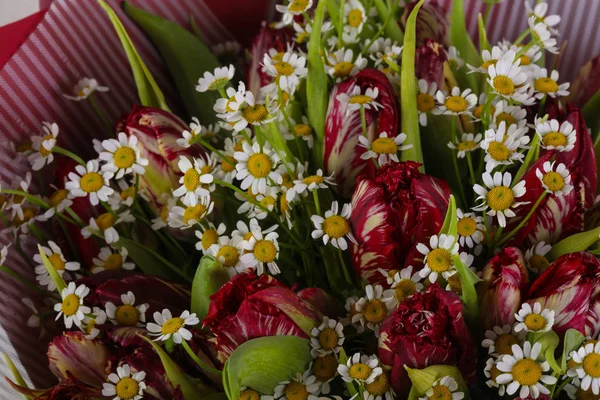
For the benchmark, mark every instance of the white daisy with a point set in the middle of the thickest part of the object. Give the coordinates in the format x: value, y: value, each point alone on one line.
x: 454, y: 59
x: 388, y: 54
x: 404, y: 284
x: 108, y: 260
x: 535, y: 257
x: 127, y: 314
x: 507, y: 79
x: 444, y: 388
x: 498, y: 196
x: 232, y: 103
x: 334, y: 228
x: 167, y: 326
x: 262, y: 249
x: 511, y: 115
x: 470, y: 228
x: 59, y: 201
x: 84, y: 88
x: 208, y: 236
x: 193, y: 180
x: 500, y: 339
x: 425, y: 99
x: 18, y: 203
x: 548, y: 85
x: 491, y: 372
x: 302, y: 131
x: 383, y: 149
x: 354, y: 17
x: 304, y: 385
x: 229, y: 253
x: 294, y: 7
x: 216, y: 80
x: 89, y: 181
x: 58, y: 261
x: 466, y: 143
x: 534, y: 319
x: 287, y: 70
x: 310, y: 183
x: 456, y: 103
x: 556, y: 180
x: 555, y: 136
x: 72, y: 305
x: 104, y: 225
x: 125, y: 386
x: 501, y: 146
x: 361, y: 369
x: 357, y: 100
x: 256, y: 167
x: 438, y: 256
x: 188, y: 217
x: 588, y: 366
x: 371, y: 310
x: 539, y: 12
x: 43, y: 146
x: 249, y: 112
x: 166, y: 203
x: 528, y: 59
x: 122, y: 156
x: 343, y: 65
x: 379, y: 389
x: 327, y: 338
x: 98, y: 317
x: 489, y: 58
x: 190, y: 136
x: 540, y: 33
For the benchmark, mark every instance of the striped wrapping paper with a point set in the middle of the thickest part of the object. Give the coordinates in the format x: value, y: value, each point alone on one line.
x: 75, y: 39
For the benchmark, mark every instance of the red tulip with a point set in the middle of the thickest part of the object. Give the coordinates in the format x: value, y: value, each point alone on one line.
x: 249, y: 307
x: 429, y: 62
x: 571, y: 287
x: 322, y: 301
x: 391, y: 214
x: 342, y: 152
x: 432, y: 23
x: 587, y: 83
x: 426, y: 329
x: 505, y: 282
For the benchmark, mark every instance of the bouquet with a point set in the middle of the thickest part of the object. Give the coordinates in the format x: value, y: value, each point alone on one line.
x: 363, y: 205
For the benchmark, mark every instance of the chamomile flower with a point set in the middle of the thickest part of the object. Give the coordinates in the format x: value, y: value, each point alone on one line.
x: 360, y: 368
x: 189, y: 136
x: 379, y: 389
x: 324, y: 368
x: 548, y: 85
x: 43, y: 146
x: 386, y: 55
x: 454, y: 58
x: 342, y: 64
x: 498, y: 197
x: 98, y: 317
x: 85, y: 88
x: 489, y: 58
x: 301, y: 131
x: 229, y: 253
x: 58, y: 261
x: 536, y: 257
x: 167, y: 326
x: 294, y: 7
x: 188, y: 217
x: 470, y: 229
x: 263, y: 248
x: 327, y: 338
x: 334, y: 228
x: 438, y: 256
x: 226, y: 171
x: 444, y: 388
x: 59, y: 201
x: 127, y: 314
x: 372, y: 309
x: 501, y: 147
x: 304, y: 385
x: 587, y: 367
x: 539, y: 12
x: 232, y: 103
x: 524, y: 370
x: 425, y: 99
x: 89, y: 181
x: 18, y: 203
x: 208, y: 236
x: 492, y: 372
x: 267, y: 201
x: 111, y: 260
x: 555, y: 179
x: 404, y: 284
x: 250, y: 112
x: 216, y: 80
x: 166, y: 203
x: 287, y: 70
x: 507, y: 79
x: 104, y: 225
x: 357, y: 100
x: 456, y: 103
x: 124, y: 385
x: 500, y: 339
x: 534, y: 319
x: 354, y: 17
x: 575, y: 392
x: 310, y: 183
x: 256, y: 167
x: 195, y: 177
x: 466, y: 143
x: 71, y: 306
x: 556, y: 136
x: 511, y: 115
x: 541, y: 35
x: 122, y: 156
x: 384, y: 149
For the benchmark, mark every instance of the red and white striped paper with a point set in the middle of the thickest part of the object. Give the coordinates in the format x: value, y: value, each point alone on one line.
x: 75, y: 39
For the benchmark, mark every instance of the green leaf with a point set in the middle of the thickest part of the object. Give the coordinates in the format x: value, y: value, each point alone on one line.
x: 16, y: 374
x: 56, y: 278
x: 408, y: 90
x: 468, y: 280
x: 148, y: 91
x: 549, y: 341
x: 264, y: 362
x: 343, y: 359
x: 459, y: 38
x: 187, y: 59
x: 529, y: 158
x: 423, y: 379
x: 209, y: 278
x: 333, y: 9
x: 483, y: 40
x: 316, y: 84
x: 392, y: 30
x: 175, y: 375
x: 592, y: 116
x: 572, y: 341
x: 574, y: 243
x: 450, y: 226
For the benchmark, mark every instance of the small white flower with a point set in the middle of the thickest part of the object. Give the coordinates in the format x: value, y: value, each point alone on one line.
x: 306, y: 384
x: 256, y: 167
x: 189, y: 137
x: 127, y: 314
x: 454, y: 58
x: 72, y: 305
x: 310, y: 183
x: 43, y: 146
x: 499, y: 340
x: 588, y: 359
x: 166, y: 203
x: 539, y: 13
x: 263, y: 248
x: 354, y: 17
x: 232, y: 103
x: 466, y: 143
x: 18, y: 203
x: 216, y: 80
x: 383, y: 149
x: 125, y: 386
x: 556, y: 136
x: 302, y: 131
x: 556, y: 180
x: 548, y: 85
x: 294, y: 7
x: 167, y: 326
x: 456, y: 103
x: 501, y: 145
x: 229, y: 253
x: 425, y: 99
x: 389, y: 54
x: 438, y: 256
x: 107, y: 260
x: 249, y: 112
x: 192, y: 182
x: 89, y: 181
x: 98, y: 317
x: 470, y: 229
x: 334, y: 228
x: 343, y: 65
x: 498, y: 196
x: 361, y: 369
x: 404, y: 284
x: 208, y: 236
x: 104, y: 225
x: 287, y: 70
x: 507, y: 79
x: 511, y: 115
x: 372, y: 309
x: 59, y: 201
x: 489, y: 58
x: 540, y: 33
x: 327, y: 338
x: 185, y: 218
x: 84, y: 88
x: 535, y: 257
x: 491, y: 371
x: 58, y: 261
x: 356, y: 100
x: 534, y: 319
x: 122, y: 156
x: 445, y: 388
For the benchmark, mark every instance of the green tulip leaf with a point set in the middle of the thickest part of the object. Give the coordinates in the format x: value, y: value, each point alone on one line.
x: 572, y: 341
x: 468, y: 280
x: 423, y: 379
x: 450, y: 226
x: 549, y: 341
x: 484, y: 44
x: 392, y: 30
x: 209, y: 278
x: 56, y: 278
x: 574, y: 243
x: 459, y: 38
x: 148, y: 90
x: 16, y: 374
x: 529, y: 158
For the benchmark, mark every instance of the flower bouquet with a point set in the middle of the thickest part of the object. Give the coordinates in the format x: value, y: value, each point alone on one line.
x: 364, y: 205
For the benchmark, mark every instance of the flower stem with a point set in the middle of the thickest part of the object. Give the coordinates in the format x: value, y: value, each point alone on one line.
x: 341, y: 23
x: 317, y: 204
x: 200, y: 363
x: 222, y: 92
x: 524, y: 49
x: 363, y: 121
x: 69, y: 154
x: 204, y: 143
x: 522, y: 36
x: 455, y: 164
x: 471, y: 172
x: 100, y: 114
x: 524, y: 221
x: 344, y: 267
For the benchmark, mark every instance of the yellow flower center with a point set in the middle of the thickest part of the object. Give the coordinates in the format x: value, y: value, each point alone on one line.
x: 209, y: 237
x: 384, y: 146
x: 591, y: 365
x: 553, y: 180
x: 487, y: 63
x: 70, y: 305
x: 585, y: 394
x: 171, y: 326
x: 555, y: 139
x: 113, y: 262
x: 124, y: 157
x: 268, y: 202
x: 336, y: 226
x: 127, y: 315
x: 43, y: 151
x: 56, y: 261
x: 303, y: 130
x: 218, y: 83
x: 439, y: 260
x: 498, y: 151
x: 500, y: 198
x: 539, y: 263
x: 314, y: 179
x: 545, y: 85
x: 265, y: 251
x: 105, y: 221
x: 527, y: 372
x: 425, y: 102
x: 128, y: 193
x: 302, y: 37
x: 404, y: 289
x: 191, y: 179
x: 296, y: 391
x: 440, y: 392
x: 375, y: 311
x: 259, y: 165
x: 249, y: 394
x: 525, y: 60
x: 194, y: 213
x: 467, y: 226
x: 255, y: 113
x: 207, y: 169
x: 325, y: 368
x: 355, y: 18
x: 455, y: 284
x: 127, y: 388
x: 535, y: 322
x: 228, y: 164
x: 328, y: 338
x: 467, y: 145
x: 91, y: 182
x: 284, y: 206
x: 456, y: 104
x: 503, y: 343
x: 504, y: 85
x: 379, y: 386
x: 360, y: 371
x: 343, y: 69
x: 164, y: 213
x: 507, y: 118
x: 360, y: 99
x: 283, y: 68
x: 495, y: 373
x: 24, y: 146
x: 479, y: 111
x: 28, y: 214
x: 297, y: 6
x: 228, y: 255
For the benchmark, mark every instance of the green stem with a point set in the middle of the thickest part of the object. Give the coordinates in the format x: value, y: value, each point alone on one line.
x: 317, y: 204
x: 455, y: 164
x: 200, y: 363
x: 524, y: 50
x: 341, y: 23
x: 471, y: 171
x: 222, y: 92
x: 199, y: 139
x: 344, y: 267
x: 100, y: 114
x: 74, y: 216
x: 522, y: 36
x: 363, y: 121
x: 524, y: 221
x: 31, y: 198
x: 69, y: 154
